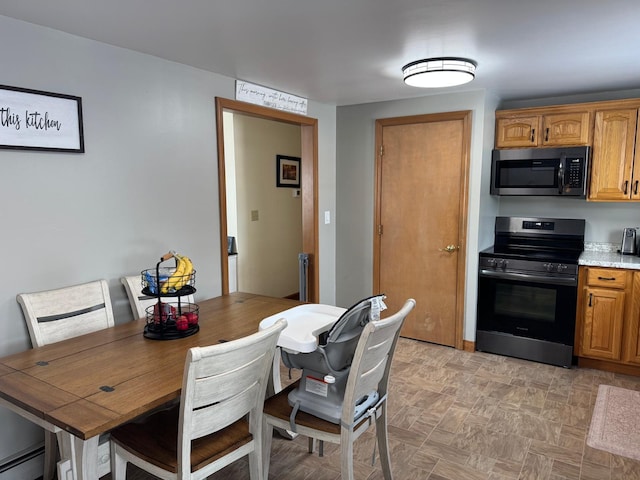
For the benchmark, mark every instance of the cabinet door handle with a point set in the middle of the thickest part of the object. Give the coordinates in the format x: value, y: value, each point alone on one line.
x: 533, y: 134
x: 546, y: 135
x: 609, y: 279
x: 626, y: 186
x: 635, y: 188
x: 590, y: 298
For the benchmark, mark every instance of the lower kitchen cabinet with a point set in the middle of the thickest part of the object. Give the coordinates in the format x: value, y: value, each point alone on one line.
x: 632, y: 347
x: 608, y: 323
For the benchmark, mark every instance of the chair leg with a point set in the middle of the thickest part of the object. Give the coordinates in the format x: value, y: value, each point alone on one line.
x: 383, y: 443
x: 118, y: 464
x: 312, y: 444
x: 255, y: 466
x: 50, y: 455
x: 256, y: 456
x: 346, y: 454
x: 267, y: 438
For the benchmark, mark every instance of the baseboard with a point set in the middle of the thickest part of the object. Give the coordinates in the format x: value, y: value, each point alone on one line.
x: 608, y: 366
x: 28, y: 464
x: 468, y: 346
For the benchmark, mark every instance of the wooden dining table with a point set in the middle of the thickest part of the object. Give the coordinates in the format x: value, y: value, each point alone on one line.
x: 85, y: 386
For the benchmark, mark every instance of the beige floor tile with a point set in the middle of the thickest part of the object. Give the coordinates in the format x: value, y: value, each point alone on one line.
x: 565, y: 471
x: 591, y: 471
x: 454, y: 471
x: 536, y: 467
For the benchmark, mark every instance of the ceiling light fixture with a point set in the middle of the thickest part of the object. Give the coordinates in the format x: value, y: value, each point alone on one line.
x: 439, y: 72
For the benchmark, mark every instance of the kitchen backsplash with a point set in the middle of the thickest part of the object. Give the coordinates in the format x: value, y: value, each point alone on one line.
x: 601, y: 247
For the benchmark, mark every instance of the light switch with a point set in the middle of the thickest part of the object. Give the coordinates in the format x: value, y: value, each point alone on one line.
x: 254, y: 215
x: 327, y: 217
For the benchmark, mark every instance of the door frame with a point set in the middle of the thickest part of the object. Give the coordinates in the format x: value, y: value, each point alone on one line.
x: 465, y: 116
x: 308, y: 180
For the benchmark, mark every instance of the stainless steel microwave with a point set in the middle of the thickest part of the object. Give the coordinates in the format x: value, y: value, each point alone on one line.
x: 540, y: 171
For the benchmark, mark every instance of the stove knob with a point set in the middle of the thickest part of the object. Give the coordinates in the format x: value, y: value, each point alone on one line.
x: 504, y: 264
x: 562, y: 267
x: 549, y: 266
x: 491, y: 262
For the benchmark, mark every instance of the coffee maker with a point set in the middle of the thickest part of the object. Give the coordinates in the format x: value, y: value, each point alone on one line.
x: 629, y: 244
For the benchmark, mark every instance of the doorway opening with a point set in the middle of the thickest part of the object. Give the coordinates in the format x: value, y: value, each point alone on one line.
x: 308, y: 185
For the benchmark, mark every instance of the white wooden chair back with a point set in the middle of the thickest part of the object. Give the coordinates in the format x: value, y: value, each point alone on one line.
x: 369, y: 372
x: 139, y: 301
x: 372, y: 360
x: 221, y: 384
x: 55, y: 315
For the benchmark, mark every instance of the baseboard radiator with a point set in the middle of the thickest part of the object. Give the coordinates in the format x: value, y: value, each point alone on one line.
x: 19, y: 458
x: 303, y: 273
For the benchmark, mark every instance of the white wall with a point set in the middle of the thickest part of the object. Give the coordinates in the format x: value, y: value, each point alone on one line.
x: 147, y: 183
x: 355, y: 187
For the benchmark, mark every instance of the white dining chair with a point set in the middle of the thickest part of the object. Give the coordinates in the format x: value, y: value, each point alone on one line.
x: 369, y: 372
x: 218, y: 421
x: 139, y: 301
x: 56, y: 315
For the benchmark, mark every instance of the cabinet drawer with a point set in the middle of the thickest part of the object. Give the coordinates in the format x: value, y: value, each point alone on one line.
x: 606, y: 277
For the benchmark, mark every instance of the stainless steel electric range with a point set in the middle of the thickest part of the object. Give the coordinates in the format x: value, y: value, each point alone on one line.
x: 528, y: 288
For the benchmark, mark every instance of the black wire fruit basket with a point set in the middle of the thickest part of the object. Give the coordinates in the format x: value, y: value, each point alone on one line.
x: 170, y: 317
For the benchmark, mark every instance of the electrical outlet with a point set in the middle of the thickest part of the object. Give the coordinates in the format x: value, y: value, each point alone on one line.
x: 255, y: 216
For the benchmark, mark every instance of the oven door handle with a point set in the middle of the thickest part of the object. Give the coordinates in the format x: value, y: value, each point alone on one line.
x: 571, y: 281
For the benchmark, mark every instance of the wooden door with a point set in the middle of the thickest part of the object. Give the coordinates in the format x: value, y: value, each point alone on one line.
x: 635, y: 179
x: 613, y: 145
x: 632, y: 325
x: 420, y: 231
x: 517, y: 132
x: 566, y: 129
x: 603, y: 319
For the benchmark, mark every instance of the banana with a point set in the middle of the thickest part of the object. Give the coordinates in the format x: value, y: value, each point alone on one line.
x: 186, y: 272
x: 176, y: 276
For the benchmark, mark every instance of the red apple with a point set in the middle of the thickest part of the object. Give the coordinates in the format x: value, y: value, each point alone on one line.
x: 182, y: 323
x: 192, y: 318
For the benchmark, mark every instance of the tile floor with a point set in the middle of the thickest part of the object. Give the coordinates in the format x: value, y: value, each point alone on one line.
x: 457, y: 415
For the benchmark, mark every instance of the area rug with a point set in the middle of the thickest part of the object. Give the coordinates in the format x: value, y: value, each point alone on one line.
x: 615, y: 424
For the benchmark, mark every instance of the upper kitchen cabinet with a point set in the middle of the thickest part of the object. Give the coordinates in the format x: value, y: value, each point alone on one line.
x: 615, y: 166
x: 517, y: 129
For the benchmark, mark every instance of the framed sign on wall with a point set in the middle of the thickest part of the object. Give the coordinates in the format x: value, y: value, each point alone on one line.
x: 287, y: 171
x: 36, y: 120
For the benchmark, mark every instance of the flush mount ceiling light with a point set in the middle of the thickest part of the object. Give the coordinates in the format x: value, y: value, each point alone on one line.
x: 439, y: 72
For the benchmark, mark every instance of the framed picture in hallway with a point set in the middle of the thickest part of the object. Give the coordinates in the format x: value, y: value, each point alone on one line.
x: 287, y: 171
x: 36, y: 120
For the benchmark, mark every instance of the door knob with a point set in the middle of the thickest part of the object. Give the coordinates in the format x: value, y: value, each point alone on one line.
x: 449, y: 248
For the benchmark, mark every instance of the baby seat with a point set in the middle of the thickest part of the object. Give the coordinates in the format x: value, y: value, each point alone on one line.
x: 326, y: 369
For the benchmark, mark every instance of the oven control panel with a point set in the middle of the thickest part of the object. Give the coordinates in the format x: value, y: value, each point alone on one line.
x: 527, y: 266
x: 529, y: 225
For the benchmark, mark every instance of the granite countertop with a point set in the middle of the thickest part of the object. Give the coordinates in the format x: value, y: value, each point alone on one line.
x: 607, y: 255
